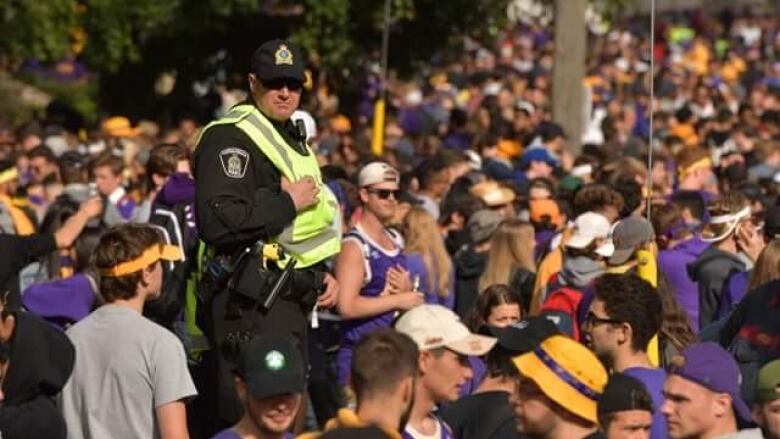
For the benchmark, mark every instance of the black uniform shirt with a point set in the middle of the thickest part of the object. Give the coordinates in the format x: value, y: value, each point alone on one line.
x: 239, y: 204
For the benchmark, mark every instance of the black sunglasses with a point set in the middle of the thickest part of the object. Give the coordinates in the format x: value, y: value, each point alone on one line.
x: 278, y: 84
x: 592, y: 320
x: 385, y: 193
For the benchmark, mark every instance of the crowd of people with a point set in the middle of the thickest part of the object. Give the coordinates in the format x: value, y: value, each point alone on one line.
x: 476, y: 280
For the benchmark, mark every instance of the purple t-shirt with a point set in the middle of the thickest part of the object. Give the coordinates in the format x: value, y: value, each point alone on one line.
x: 653, y: 379
x: 673, y: 263
x: 376, y: 263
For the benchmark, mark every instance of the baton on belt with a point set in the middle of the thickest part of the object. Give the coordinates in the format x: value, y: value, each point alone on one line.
x: 279, y: 285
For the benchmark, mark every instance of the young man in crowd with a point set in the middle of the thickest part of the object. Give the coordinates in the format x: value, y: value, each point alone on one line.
x: 170, y: 178
x: 622, y: 319
x: 434, y: 179
x: 766, y: 411
x: 445, y: 344
x: 43, y: 164
x: 557, y: 394
x: 107, y: 172
x: 712, y: 270
x: 694, y: 172
x: 702, y: 395
x: 384, y: 369
x: 595, y: 198
x: 583, y: 262
x: 625, y: 408
x: 372, y: 264
x: 131, y: 377
x: 270, y: 380
x: 486, y: 413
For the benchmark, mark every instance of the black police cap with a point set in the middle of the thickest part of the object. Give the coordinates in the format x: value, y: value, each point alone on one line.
x: 278, y: 59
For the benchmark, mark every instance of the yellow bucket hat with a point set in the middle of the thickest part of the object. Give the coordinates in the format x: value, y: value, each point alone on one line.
x: 568, y: 373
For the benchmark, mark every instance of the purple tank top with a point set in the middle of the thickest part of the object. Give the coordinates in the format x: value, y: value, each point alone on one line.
x: 376, y: 262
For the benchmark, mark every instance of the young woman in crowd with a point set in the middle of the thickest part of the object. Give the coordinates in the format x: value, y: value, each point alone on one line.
x: 427, y: 260
x: 511, y: 260
x: 497, y: 305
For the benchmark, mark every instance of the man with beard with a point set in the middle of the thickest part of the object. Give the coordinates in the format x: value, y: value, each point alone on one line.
x: 384, y: 368
x: 269, y: 380
x: 621, y: 321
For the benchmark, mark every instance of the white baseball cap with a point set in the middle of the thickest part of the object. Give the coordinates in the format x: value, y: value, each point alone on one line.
x: 377, y: 172
x: 434, y: 326
x: 590, y: 226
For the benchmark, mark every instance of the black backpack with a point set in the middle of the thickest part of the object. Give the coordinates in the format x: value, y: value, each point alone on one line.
x: 177, y: 225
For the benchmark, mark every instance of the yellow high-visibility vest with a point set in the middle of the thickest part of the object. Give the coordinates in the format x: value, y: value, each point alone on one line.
x: 315, y: 234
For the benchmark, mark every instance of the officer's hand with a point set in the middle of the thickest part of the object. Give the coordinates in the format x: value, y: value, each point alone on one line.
x: 407, y: 301
x: 303, y: 192
x: 330, y: 297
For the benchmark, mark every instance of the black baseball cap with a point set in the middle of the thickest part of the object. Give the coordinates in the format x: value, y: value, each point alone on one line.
x: 525, y: 335
x: 270, y: 365
x: 623, y: 393
x: 278, y: 59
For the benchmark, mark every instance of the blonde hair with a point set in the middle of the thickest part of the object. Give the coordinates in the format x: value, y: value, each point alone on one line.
x: 767, y: 267
x: 512, y: 246
x: 423, y: 236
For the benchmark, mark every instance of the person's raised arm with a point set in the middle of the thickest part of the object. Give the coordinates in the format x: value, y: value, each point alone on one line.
x: 73, y: 226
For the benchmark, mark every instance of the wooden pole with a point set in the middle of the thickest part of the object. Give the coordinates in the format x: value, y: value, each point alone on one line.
x: 569, y: 69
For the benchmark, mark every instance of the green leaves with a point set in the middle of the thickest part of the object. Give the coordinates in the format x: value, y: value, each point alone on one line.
x: 36, y: 28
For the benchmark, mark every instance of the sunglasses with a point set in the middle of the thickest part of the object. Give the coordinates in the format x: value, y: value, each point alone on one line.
x: 278, y: 84
x: 591, y: 320
x: 384, y: 194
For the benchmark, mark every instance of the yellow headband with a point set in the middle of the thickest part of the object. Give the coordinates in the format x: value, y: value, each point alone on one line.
x: 705, y: 163
x: 8, y: 175
x: 148, y: 257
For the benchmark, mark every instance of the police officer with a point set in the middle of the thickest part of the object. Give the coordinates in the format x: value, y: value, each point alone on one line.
x: 257, y: 181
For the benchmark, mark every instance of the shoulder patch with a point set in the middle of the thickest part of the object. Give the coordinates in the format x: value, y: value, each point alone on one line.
x: 234, y: 162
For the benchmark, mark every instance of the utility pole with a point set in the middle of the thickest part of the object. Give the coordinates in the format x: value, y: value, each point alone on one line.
x: 569, y: 69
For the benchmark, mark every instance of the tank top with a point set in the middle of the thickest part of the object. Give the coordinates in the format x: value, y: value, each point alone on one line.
x: 376, y: 262
x: 443, y: 431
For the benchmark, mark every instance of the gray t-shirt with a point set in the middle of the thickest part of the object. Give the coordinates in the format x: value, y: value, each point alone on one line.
x: 126, y: 366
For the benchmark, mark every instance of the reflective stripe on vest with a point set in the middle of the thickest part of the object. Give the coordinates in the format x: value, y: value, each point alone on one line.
x: 315, y: 234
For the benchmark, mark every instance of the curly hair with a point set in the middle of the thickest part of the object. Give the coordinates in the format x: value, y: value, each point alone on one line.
x: 595, y: 197
x: 630, y: 299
